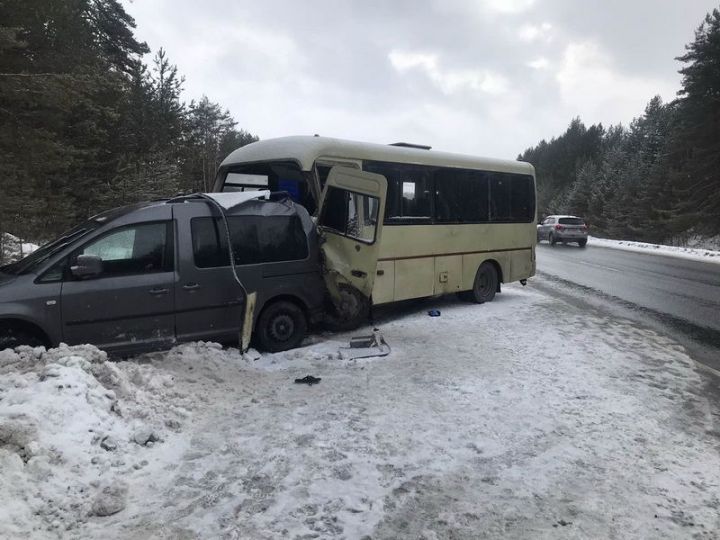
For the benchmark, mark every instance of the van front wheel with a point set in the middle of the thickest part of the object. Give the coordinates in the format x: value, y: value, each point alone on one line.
x: 11, y: 337
x: 281, y: 326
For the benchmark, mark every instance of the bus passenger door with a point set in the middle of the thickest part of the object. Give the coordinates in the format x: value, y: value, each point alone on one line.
x: 352, y: 208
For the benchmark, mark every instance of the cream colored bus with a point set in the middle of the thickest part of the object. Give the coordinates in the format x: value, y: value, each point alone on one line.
x: 448, y: 222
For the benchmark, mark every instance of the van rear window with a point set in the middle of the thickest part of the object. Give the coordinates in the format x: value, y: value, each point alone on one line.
x: 256, y: 240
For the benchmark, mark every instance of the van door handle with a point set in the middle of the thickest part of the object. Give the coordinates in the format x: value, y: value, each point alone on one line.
x: 159, y: 291
x: 191, y: 286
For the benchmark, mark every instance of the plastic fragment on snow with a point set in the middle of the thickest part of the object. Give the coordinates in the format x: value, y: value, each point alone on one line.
x: 366, y: 346
x: 434, y: 312
x: 309, y: 380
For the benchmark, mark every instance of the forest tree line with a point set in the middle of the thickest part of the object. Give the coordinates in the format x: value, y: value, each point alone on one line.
x: 656, y: 180
x: 89, y: 120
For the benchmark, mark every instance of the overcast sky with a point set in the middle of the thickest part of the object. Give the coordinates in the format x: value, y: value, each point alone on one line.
x: 486, y: 77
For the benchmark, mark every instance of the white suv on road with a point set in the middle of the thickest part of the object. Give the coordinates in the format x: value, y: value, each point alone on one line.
x: 563, y: 229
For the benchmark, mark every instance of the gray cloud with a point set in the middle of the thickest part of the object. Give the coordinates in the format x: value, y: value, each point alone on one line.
x: 489, y: 77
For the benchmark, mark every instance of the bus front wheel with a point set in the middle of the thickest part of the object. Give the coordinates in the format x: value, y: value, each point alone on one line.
x: 485, y: 285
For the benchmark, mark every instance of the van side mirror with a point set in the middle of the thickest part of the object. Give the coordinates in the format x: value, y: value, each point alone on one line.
x: 87, y: 266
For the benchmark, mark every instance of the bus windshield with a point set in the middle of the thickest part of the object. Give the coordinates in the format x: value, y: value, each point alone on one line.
x: 273, y: 175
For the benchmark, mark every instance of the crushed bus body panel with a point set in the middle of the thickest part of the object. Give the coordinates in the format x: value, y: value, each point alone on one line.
x: 349, y: 222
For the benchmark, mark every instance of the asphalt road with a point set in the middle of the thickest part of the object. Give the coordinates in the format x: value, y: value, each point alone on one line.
x: 683, y: 291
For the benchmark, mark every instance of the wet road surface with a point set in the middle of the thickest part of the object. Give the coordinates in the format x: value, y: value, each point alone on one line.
x: 683, y: 289
x: 680, y: 295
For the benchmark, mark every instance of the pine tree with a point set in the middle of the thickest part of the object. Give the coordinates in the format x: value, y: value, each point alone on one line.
x: 211, y: 136
x: 578, y: 197
x: 651, y: 201
x: 697, y: 140
x: 61, y: 75
x: 85, y: 125
x: 557, y: 163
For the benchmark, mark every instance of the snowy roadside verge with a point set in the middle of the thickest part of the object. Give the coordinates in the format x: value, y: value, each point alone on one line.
x: 74, y: 429
x: 695, y: 254
x: 484, y: 421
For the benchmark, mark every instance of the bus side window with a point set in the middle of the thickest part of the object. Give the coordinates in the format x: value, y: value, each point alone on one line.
x: 410, y: 191
x: 461, y: 196
x: 350, y: 214
x: 500, y: 197
x: 521, y: 198
x: 335, y: 210
x: 511, y: 198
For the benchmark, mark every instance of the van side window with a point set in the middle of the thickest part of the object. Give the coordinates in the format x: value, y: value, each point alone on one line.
x: 256, y: 240
x: 409, y: 193
x: 54, y: 273
x: 208, y: 250
x: 136, y: 249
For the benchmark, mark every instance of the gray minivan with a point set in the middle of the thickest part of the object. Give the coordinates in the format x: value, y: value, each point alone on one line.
x: 147, y: 276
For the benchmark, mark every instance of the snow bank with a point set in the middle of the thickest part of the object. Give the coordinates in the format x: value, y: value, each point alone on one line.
x: 693, y: 240
x: 72, y: 428
x: 696, y: 254
x: 483, y: 421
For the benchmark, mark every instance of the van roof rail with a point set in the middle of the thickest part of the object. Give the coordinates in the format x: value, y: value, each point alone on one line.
x: 411, y: 145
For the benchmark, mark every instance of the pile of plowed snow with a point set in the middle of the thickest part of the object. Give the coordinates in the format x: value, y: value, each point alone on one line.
x: 72, y: 425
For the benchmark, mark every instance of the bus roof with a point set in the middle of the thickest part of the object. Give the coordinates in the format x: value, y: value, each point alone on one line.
x: 306, y: 149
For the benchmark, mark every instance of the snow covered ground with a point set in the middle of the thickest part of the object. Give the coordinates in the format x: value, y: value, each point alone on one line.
x: 694, y: 253
x: 523, y: 418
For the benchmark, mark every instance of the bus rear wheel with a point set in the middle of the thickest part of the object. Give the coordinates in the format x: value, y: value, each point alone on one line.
x: 485, y: 285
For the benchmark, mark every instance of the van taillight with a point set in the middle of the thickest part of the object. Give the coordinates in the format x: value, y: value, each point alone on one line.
x: 559, y: 228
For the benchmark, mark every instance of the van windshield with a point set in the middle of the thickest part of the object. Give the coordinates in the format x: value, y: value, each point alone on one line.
x: 40, y: 255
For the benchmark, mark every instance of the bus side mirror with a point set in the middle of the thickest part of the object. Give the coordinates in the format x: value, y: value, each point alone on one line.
x: 87, y: 266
